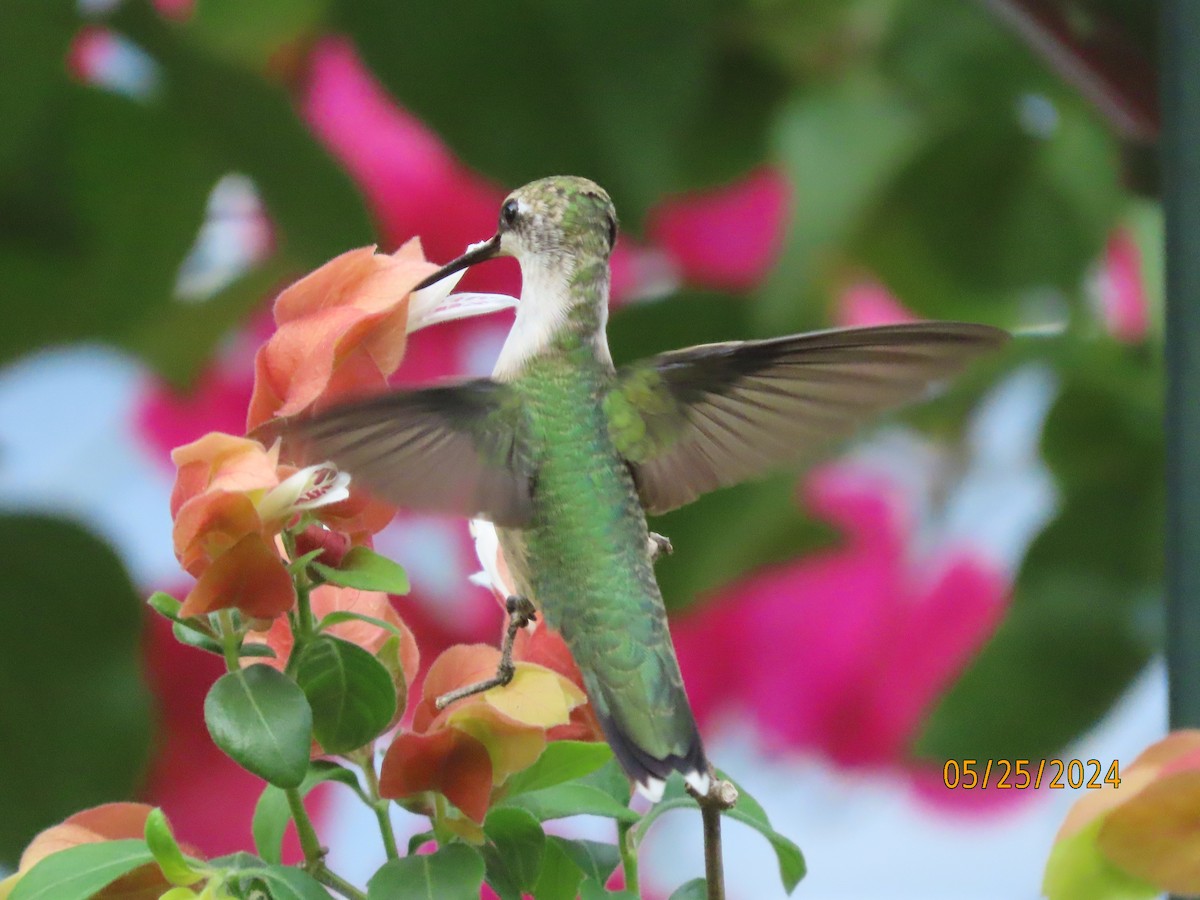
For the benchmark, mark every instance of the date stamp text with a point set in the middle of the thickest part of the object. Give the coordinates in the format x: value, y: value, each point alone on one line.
x: 1022, y: 774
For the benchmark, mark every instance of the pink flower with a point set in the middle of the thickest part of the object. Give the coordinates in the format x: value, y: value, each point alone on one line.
x: 868, y: 302
x: 1119, y: 291
x: 845, y: 651
x: 728, y: 237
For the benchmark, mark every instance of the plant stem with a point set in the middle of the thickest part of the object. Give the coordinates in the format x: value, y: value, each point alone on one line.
x: 721, y: 796
x: 380, y: 806
x: 309, y: 842
x: 629, y: 856
x: 339, y: 884
x: 229, y: 640
x: 714, y: 865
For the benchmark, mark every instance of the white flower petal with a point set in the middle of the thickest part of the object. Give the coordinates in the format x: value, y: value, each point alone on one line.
x: 319, y: 485
x: 454, y: 306
x: 487, y: 548
x: 421, y: 303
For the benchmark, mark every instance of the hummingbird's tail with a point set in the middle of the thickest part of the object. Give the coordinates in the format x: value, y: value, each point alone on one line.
x: 649, y: 751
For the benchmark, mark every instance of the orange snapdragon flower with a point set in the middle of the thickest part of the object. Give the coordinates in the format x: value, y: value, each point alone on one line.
x: 342, y: 330
x: 472, y: 746
x: 231, y: 499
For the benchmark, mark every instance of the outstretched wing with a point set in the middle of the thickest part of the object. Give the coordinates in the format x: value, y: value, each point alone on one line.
x: 693, y: 420
x: 457, y: 449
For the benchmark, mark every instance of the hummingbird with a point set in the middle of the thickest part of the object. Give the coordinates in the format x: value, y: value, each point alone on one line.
x: 566, y: 455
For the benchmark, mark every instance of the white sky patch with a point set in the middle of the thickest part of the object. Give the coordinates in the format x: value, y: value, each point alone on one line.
x: 68, y: 448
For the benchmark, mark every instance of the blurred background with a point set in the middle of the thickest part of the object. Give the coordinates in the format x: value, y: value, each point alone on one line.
x: 980, y: 577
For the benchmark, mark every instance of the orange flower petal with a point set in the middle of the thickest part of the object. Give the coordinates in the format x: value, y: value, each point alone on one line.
x: 1154, y: 836
x: 207, y: 526
x: 250, y: 576
x: 341, y: 331
x: 1148, y: 766
x: 220, y: 461
x: 450, y: 762
x: 511, y: 745
x: 457, y: 666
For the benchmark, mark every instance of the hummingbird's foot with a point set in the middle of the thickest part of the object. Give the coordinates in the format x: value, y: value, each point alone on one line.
x: 660, y: 545
x: 520, y: 613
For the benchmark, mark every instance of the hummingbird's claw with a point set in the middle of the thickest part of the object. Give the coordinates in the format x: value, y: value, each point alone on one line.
x: 660, y: 545
x: 521, y: 612
x: 521, y: 609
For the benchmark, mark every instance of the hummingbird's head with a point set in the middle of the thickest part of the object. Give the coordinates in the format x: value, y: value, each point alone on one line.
x: 562, y: 214
x: 546, y: 223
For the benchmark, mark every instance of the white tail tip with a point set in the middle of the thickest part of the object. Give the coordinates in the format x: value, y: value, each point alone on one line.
x: 698, y: 782
x: 652, y: 789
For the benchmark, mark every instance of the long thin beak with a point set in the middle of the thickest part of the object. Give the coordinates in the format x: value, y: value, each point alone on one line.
x: 480, y: 252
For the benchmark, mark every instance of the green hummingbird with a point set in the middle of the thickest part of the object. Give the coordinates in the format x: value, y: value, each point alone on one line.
x: 567, y: 454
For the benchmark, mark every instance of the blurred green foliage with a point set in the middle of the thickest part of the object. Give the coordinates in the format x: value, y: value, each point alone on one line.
x: 927, y: 146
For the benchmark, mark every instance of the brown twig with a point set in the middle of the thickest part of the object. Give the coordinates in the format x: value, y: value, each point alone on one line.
x: 721, y: 796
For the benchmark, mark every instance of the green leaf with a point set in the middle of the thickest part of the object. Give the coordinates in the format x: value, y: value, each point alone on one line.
x: 71, y: 665
x: 595, y: 859
x: 174, y: 865
x: 344, y: 615
x: 389, y: 658
x: 595, y: 117
x: 452, y: 873
x: 79, y: 872
x: 514, y: 856
x: 351, y: 694
x: 272, y: 812
x: 288, y: 883
x: 696, y: 889
x: 560, y: 761
x: 610, y: 779
x: 571, y: 800
x: 560, y: 877
x: 261, y: 719
x: 165, y: 605
x: 366, y: 570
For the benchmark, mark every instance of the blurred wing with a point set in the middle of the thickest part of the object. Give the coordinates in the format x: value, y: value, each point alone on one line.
x: 697, y: 419
x: 457, y: 449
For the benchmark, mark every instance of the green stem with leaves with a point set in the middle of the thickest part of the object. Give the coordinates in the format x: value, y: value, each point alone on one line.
x: 309, y: 842
x: 380, y: 807
x: 229, y: 640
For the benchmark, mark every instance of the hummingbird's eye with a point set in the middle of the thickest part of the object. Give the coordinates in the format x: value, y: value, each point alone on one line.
x: 508, y: 213
x: 612, y: 233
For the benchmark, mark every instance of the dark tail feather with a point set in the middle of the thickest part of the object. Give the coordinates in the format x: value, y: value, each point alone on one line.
x: 649, y: 772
